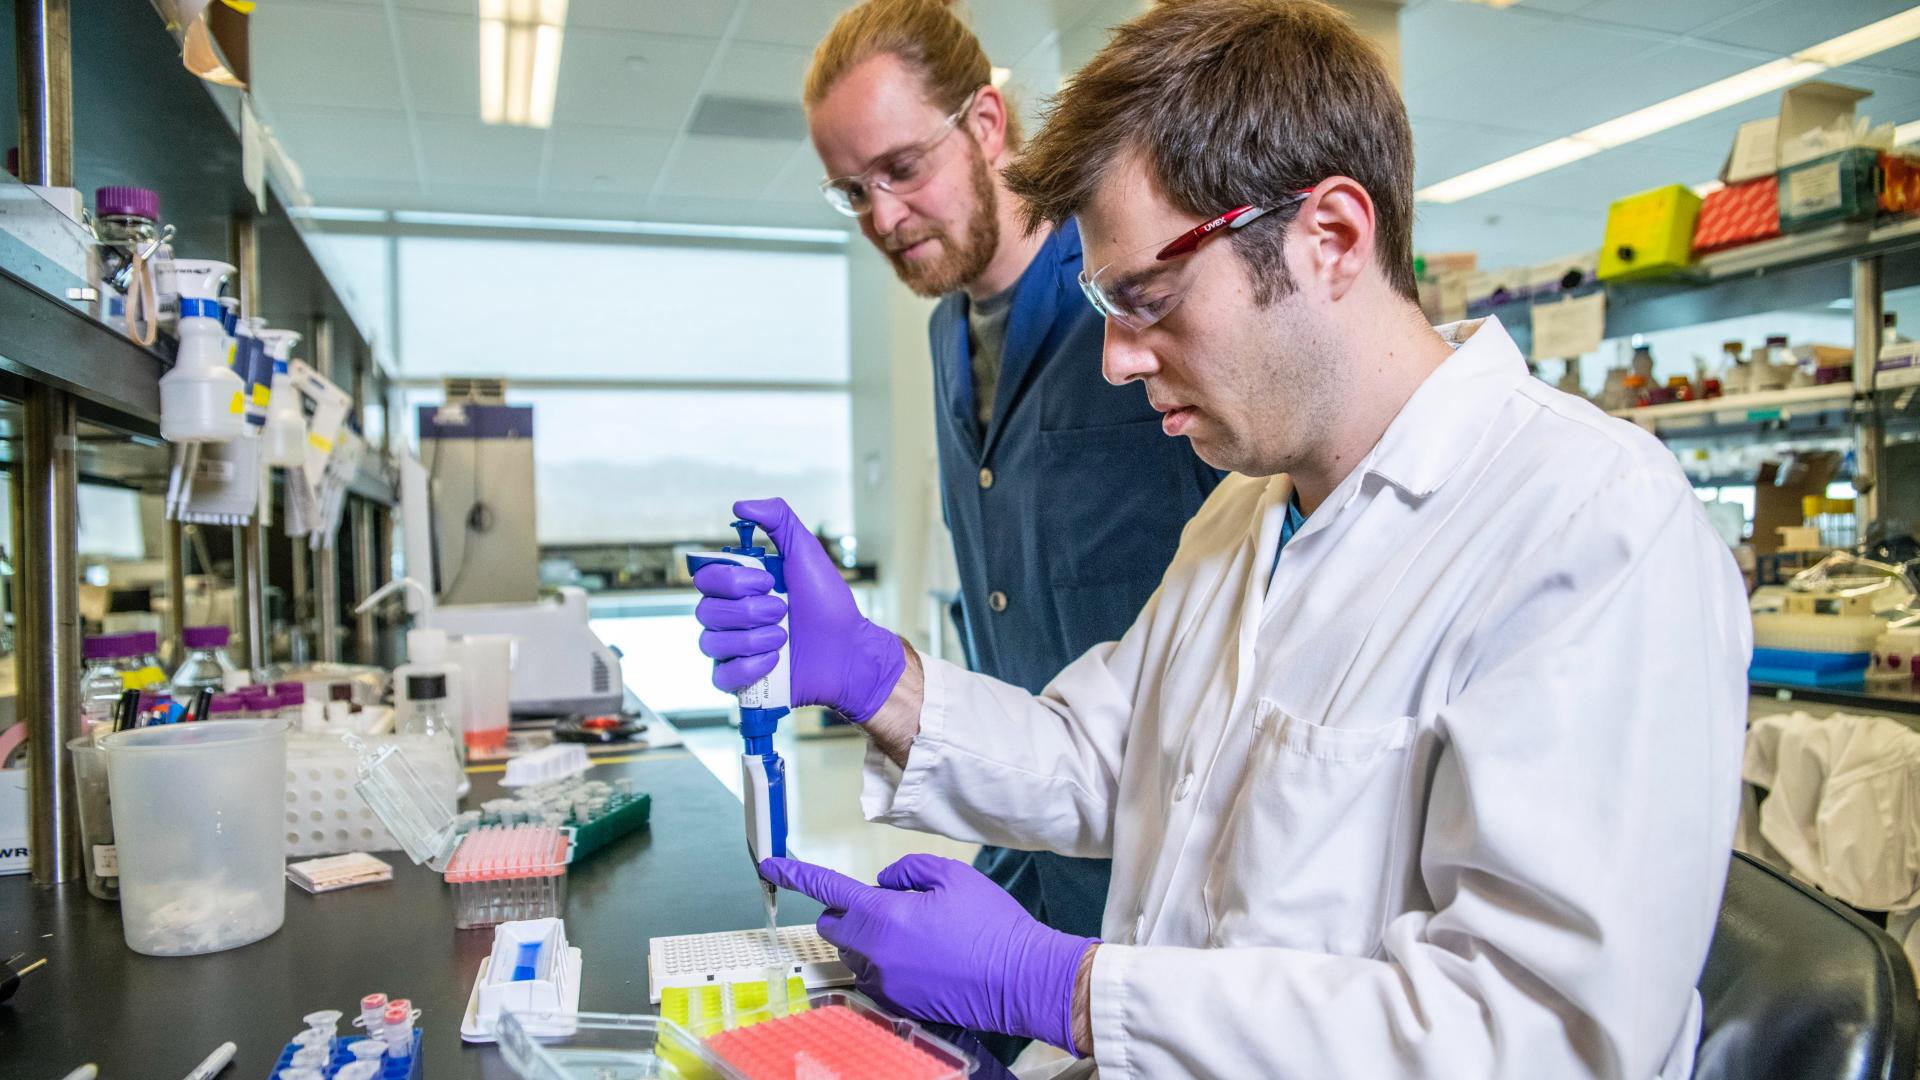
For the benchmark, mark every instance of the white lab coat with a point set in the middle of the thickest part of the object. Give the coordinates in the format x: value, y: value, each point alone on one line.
x: 1452, y: 797
x: 1843, y: 804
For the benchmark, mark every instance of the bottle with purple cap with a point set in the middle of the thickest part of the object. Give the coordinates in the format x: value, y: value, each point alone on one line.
x: 101, y: 684
x: 126, y: 222
x: 206, y: 664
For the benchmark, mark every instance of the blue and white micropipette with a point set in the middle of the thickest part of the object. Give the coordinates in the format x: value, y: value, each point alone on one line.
x: 763, y: 779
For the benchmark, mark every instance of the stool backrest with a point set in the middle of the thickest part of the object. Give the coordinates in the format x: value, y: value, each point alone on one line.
x: 1798, y: 986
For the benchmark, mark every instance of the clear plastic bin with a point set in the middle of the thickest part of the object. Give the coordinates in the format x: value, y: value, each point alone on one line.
x: 508, y: 874
x: 196, y: 820
x: 97, y: 852
x: 606, y: 1046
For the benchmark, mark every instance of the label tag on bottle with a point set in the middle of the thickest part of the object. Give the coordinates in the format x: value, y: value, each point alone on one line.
x: 106, y: 860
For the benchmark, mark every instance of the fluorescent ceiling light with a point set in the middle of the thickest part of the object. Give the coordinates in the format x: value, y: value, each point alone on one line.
x: 998, y: 76
x: 1906, y: 133
x: 1692, y: 105
x: 520, y: 60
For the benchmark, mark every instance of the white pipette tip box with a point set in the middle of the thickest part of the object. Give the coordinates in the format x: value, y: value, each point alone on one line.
x: 543, y: 766
x: 694, y: 960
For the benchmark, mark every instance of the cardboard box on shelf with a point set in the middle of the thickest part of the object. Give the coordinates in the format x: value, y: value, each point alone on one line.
x: 1835, y: 187
x: 1758, y: 145
x: 1738, y: 214
x: 1780, y: 487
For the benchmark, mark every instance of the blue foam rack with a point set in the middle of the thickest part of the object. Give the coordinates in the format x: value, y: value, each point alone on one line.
x: 391, y: 1069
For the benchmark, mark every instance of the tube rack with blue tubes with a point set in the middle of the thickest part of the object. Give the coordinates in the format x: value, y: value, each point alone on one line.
x: 762, y: 773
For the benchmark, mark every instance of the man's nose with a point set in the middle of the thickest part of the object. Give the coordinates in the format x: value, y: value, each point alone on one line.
x: 1125, y: 357
x: 887, y: 211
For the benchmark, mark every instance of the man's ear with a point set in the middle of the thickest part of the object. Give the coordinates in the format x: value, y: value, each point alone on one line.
x: 986, y: 119
x: 1335, y: 228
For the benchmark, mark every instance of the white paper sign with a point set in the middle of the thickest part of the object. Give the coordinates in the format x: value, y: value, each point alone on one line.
x: 1570, y: 327
x: 253, y: 160
x: 1813, y: 189
x: 1753, y: 150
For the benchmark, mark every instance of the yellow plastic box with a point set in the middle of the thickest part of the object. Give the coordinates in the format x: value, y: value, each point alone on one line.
x: 1649, y: 234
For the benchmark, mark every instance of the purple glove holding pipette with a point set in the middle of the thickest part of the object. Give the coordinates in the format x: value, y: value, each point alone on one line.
x: 838, y: 659
x: 939, y: 940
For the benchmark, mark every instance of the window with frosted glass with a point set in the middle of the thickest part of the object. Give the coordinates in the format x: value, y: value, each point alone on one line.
x: 605, y: 309
x: 635, y: 466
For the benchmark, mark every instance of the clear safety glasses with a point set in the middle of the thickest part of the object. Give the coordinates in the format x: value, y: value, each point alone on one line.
x: 1137, y: 292
x: 898, y: 172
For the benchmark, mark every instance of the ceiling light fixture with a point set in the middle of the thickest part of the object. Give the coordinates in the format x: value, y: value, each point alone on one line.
x: 1708, y: 99
x: 520, y: 60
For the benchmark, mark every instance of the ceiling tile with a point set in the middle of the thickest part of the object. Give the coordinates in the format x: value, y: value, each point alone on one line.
x: 772, y: 72
x: 799, y: 23
x: 445, y: 7
x: 643, y: 81
x: 297, y: 51
x: 1438, y: 40
x: 1904, y: 58
x: 468, y: 150
x: 480, y: 198
x: 354, y: 144
x: 1787, y: 27
x: 1599, y: 180
x: 443, y: 62
x: 1667, y: 16
x: 1532, y: 87
x: 599, y: 159
x: 798, y: 181
x: 716, y: 167
x: 381, y: 194
x: 1010, y: 30
x: 1444, y: 148
x: 706, y: 18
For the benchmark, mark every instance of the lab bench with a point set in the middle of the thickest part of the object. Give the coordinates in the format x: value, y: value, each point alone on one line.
x: 155, y: 1018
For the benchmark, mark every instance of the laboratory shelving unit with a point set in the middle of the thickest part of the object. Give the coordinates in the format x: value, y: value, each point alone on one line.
x: 1859, y: 262
x: 88, y: 398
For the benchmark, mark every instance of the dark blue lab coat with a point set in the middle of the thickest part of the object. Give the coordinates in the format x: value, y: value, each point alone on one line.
x: 1063, y: 516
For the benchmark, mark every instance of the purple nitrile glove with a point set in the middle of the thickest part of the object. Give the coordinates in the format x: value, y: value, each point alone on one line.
x: 940, y: 941
x: 838, y: 659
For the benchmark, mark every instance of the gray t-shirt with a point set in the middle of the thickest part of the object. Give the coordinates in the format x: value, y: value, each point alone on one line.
x: 987, y: 340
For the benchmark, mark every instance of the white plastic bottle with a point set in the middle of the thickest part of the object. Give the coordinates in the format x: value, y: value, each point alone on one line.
x: 286, y: 426
x: 197, y: 396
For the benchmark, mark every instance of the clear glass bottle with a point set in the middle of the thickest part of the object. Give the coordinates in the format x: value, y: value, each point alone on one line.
x: 144, y: 660
x: 426, y: 713
x: 206, y: 664
x: 102, y: 684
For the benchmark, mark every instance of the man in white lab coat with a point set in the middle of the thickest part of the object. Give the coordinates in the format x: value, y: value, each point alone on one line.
x: 1423, y: 759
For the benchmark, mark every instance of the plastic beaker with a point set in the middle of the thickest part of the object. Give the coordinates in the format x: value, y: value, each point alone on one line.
x: 486, y: 666
x: 97, y: 851
x: 197, y: 814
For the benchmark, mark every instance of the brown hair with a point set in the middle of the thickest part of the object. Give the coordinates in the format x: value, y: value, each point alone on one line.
x: 1233, y: 102
x: 927, y: 35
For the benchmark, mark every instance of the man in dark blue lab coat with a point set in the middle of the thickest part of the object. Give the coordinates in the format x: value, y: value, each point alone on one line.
x: 1064, y: 498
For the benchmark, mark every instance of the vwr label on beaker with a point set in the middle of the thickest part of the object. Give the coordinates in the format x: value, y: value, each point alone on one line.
x: 106, y: 860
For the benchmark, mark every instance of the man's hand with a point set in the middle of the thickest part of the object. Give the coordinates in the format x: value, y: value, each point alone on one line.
x: 939, y: 941
x: 838, y: 658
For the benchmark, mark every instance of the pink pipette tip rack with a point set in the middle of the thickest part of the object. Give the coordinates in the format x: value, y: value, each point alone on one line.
x: 500, y: 874
x: 829, y: 1043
